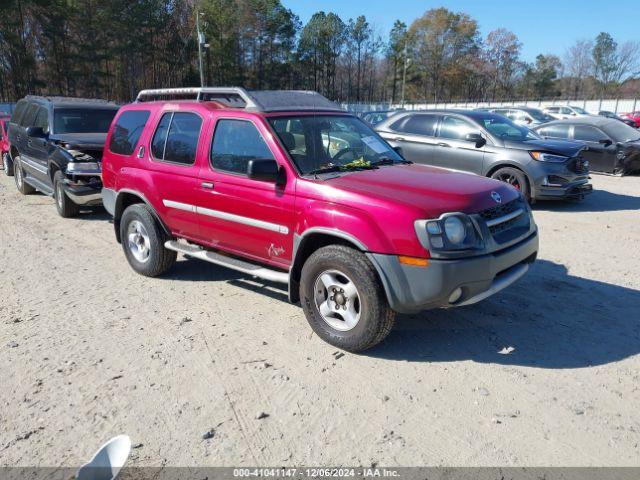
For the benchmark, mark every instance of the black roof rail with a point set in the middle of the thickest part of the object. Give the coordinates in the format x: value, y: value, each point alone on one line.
x: 63, y: 99
x: 236, y: 97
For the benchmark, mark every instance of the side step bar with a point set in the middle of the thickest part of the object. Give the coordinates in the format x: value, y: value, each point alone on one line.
x: 229, y: 262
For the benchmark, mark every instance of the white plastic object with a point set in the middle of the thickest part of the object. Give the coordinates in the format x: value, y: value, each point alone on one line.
x: 107, y: 461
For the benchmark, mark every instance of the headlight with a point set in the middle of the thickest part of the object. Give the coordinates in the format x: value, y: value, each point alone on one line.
x: 548, y: 157
x: 450, y: 232
x: 80, y: 168
x: 455, y: 231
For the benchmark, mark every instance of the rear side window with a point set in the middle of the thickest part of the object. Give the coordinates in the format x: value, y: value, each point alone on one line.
x: 555, y: 131
x: 176, y: 138
x: 587, y: 133
x: 420, y: 125
x: 235, y: 142
x: 21, y: 106
x: 127, y: 130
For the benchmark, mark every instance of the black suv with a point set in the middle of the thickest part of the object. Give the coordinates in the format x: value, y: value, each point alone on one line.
x: 56, y: 148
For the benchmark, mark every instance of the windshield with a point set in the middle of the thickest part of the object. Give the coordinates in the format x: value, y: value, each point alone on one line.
x: 319, y: 143
x: 502, y: 127
x: 621, y: 132
x: 539, y: 115
x: 581, y: 111
x: 82, y: 120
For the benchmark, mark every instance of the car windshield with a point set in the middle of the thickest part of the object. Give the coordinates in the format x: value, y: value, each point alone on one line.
x: 82, y: 120
x: 621, y: 132
x: 329, y: 143
x: 539, y: 115
x: 581, y: 111
x: 502, y: 127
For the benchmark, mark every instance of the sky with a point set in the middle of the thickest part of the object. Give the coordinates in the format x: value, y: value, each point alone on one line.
x: 543, y: 26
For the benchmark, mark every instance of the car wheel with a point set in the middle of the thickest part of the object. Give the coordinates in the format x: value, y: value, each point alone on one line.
x: 514, y: 177
x: 343, y: 299
x: 65, y: 206
x: 143, y: 242
x: 23, y: 187
x: 8, y: 165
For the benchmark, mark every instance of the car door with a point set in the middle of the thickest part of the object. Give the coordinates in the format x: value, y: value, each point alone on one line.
x: 37, y: 148
x: 240, y: 215
x: 453, y: 150
x: 171, y: 163
x: 601, y: 156
x: 415, y: 135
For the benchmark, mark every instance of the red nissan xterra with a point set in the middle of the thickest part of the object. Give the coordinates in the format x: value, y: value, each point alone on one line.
x: 287, y: 187
x: 4, y: 140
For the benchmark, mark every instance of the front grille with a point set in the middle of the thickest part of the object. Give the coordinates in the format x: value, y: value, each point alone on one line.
x: 579, y: 165
x: 500, y: 210
x: 508, y: 230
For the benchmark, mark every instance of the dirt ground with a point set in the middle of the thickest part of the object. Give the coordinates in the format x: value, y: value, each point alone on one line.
x: 89, y: 350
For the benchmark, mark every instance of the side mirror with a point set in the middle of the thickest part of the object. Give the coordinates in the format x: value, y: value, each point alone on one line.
x: 264, y: 170
x: 476, y: 138
x: 36, y: 132
x: 606, y: 142
x: 398, y: 150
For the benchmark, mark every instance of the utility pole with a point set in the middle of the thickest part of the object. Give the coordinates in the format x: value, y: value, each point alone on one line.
x: 201, y: 45
x: 404, y: 72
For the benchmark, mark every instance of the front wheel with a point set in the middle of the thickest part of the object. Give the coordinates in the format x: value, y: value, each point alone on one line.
x: 65, y: 206
x: 23, y: 187
x: 343, y: 299
x: 514, y: 177
x: 143, y: 242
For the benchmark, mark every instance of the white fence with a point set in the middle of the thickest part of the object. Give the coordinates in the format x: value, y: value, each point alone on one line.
x: 591, y: 106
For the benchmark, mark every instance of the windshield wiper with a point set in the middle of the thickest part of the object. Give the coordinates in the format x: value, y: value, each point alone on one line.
x: 341, y: 168
x: 390, y: 161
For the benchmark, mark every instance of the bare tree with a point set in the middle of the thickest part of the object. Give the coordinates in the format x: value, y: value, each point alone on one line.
x: 578, y: 64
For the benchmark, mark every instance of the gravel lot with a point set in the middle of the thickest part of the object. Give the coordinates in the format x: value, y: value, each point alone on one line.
x: 89, y: 350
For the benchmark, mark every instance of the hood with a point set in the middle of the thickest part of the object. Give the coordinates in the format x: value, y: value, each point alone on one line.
x: 82, y: 140
x: 432, y: 190
x: 559, y: 147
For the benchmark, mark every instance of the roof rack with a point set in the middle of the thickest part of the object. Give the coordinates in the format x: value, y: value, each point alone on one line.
x: 236, y: 97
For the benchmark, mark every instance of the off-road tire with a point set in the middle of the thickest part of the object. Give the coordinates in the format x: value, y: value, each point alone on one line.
x: 22, y: 186
x: 376, y: 317
x: 64, y: 205
x: 518, y: 175
x: 160, y: 259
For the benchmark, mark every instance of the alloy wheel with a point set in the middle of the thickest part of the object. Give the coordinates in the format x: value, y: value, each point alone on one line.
x: 337, y: 299
x: 138, y: 241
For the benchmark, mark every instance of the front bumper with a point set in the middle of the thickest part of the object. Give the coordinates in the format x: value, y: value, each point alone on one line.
x: 562, y: 192
x: 559, y: 181
x: 411, y: 289
x: 88, y: 195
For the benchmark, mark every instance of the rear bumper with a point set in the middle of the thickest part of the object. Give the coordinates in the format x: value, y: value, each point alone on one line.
x: 87, y: 195
x: 412, y: 289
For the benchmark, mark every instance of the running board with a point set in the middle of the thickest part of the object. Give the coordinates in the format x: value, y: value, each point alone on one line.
x: 229, y: 262
x: 37, y: 184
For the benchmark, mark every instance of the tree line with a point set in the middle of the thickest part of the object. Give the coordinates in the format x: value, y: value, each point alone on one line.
x: 114, y: 49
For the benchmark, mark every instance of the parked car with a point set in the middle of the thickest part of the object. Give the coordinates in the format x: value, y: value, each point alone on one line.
x: 607, y: 114
x: 374, y: 118
x: 491, y: 145
x: 524, y: 116
x: 634, y: 116
x: 56, y: 148
x: 566, y: 111
x: 357, y: 234
x: 613, y: 147
x: 4, y: 140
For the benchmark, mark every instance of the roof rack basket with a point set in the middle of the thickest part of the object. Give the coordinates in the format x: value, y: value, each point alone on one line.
x: 236, y: 97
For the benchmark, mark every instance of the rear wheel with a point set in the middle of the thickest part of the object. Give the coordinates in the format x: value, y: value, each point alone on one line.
x: 23, y: 187
x: 514, y: 177
x: 65, y: 206
x: 143, y: 242
x: 343, y: 299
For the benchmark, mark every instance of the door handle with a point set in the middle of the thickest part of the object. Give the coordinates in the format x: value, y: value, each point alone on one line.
x: 207, y: 185
x: 441, y: 144
x: 399, y: 139
x: 141, y: 151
